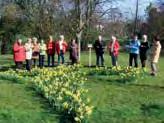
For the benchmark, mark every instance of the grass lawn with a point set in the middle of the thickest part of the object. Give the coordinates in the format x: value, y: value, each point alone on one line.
x: 20, y: 104
x: 135, y: 102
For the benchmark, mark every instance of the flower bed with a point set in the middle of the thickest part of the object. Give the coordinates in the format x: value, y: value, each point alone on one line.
x: 125, y: 74
x: 63, y: 87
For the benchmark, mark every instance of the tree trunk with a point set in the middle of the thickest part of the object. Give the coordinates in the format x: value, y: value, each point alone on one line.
x: 4, y: 45
x: 79, y: 36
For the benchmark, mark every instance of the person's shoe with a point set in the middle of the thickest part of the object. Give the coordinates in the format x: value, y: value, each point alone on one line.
x: 153, y: 74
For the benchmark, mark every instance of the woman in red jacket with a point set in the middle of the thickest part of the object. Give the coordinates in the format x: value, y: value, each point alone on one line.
x: 19, y: 54
x: 61, y: 47
x: 50, y: 50
x: 114, y: 50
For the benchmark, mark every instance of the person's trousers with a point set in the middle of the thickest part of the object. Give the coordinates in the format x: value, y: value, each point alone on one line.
x: 153, y: 67
x: 114, y: 59
x: 19, y: 65
x: 133, y: 57
x: 51, y: 60
x: 35, y: 62
x: 41, y: 60
x: 143, y: 58
x: 143, y: 63
x: 74, y: 61
x: 99, y: 58
x: 61, y: 55
x: 28, y: 64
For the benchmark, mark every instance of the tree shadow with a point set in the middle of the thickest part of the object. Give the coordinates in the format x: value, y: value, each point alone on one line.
x: 156, y: 110
x: 110, y: 79
x: 45, y: 104
x: 6, y: 68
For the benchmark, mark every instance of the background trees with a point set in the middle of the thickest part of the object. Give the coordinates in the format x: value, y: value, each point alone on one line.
x: 81, y: 19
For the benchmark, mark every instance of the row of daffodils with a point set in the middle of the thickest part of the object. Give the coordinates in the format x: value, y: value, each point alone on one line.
x: 125, y: 74
x: 62, y: 86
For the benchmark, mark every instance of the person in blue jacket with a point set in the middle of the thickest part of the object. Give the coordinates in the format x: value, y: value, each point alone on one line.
x: 134, y: 49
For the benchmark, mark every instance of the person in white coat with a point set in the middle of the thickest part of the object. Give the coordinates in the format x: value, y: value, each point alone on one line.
x: 28, y: 47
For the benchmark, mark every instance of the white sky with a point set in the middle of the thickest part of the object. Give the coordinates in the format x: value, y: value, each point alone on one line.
x: 129, y: 6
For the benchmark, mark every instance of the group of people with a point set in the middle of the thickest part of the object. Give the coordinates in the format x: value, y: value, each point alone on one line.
x: 136, y: 49
x: 33, y: 52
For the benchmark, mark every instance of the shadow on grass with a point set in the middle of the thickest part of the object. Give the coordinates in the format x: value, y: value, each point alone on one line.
x: 118, y: 81
x: 6, y: 68
x: 156, y: 110
x: 108, y: 79
x: 62, y: 116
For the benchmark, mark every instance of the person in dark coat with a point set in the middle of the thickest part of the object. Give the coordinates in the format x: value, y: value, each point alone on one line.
x: 73, y: 52
x: 143, y: 51
x: 99, y: 47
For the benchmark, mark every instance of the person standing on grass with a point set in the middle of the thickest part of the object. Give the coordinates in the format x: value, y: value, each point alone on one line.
x: 114, y: 50
x: 73, y: 51
x: 28, y: 47
x: 134, y: 48
x: 99, y: 47
x: 155, y: 54
x: 19, y: 53
x: 143, y: 51
x: 51, y: 51
x: 35, y: 54
x: 61, y: 47
x: 42, y: 53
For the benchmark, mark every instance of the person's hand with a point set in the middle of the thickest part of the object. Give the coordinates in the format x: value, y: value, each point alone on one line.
x: 126, y: 45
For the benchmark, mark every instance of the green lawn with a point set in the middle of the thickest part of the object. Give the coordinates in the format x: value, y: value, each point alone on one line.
x: 134, y: 102
x: 20, y: 104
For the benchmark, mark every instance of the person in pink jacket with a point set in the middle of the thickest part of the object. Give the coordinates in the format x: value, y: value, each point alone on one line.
x: 19, y: 54
x: 113, y: 48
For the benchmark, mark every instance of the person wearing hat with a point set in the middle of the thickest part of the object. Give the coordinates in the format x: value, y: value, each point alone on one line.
x: 42, y: 53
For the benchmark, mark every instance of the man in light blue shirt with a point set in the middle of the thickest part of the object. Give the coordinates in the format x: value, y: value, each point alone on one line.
x: 134, y: 47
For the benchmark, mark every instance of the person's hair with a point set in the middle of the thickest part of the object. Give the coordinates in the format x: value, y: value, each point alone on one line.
x: 74, y: 39
x: 61, y: 35
x: 156, y: 38
x: 135, y: 35
x: 144, y: 35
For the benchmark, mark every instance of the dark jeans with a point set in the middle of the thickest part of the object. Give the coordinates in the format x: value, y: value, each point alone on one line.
x: 28, y: 64
x: 99, y: 58
x: 62, y: 57
x: 74, y: 61
x: 143, y: 63
x: 34, y: 62
x: 41, y: 60
x: 19, y: 65
x: 134, y: 57
x: 50, y: 59
x: 114, y: 59
x: 143, y: 58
